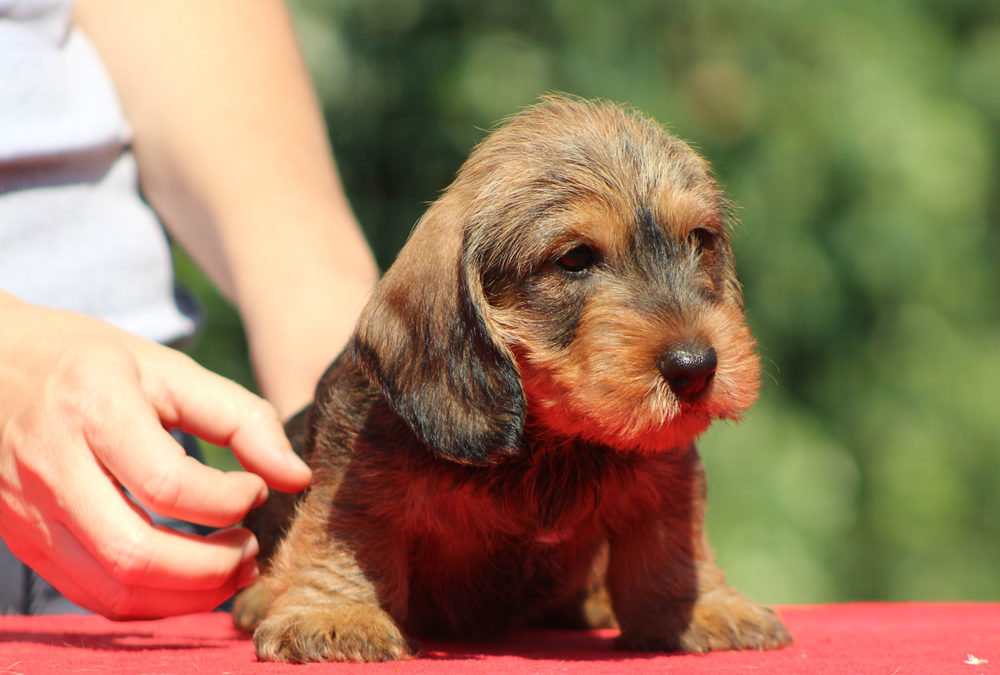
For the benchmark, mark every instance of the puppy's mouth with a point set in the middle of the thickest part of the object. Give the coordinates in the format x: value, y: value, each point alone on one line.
x: 651, y: 403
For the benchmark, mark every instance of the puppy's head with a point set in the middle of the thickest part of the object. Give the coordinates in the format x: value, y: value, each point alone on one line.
x: 576, y: 276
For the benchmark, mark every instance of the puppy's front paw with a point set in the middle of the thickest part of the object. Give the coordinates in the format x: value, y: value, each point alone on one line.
x: 721, y: 619
x: 725, y: 619
x: 330, y: 633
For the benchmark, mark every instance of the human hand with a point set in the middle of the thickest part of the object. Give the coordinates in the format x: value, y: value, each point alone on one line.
x: 84, y: 413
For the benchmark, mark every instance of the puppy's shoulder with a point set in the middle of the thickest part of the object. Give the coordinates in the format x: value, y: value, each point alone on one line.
x: 342, y: 408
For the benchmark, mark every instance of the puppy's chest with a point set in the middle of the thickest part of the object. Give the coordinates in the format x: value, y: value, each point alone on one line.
x: 531, y: 504
x: 511, y: 543
x: 469, y: 516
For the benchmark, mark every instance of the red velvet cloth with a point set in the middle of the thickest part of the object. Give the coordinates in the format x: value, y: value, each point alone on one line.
x: 851, y: 638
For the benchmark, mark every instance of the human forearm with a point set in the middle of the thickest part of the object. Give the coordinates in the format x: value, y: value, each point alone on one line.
x: 234, y: 157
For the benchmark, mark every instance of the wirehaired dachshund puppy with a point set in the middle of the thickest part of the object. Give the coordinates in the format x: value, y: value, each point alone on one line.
x: 508, y: 439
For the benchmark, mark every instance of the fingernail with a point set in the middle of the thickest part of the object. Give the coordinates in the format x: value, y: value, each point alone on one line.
x: 247, y: 574
x: 250, y: 549
x: 292, y: 459
x: 261, y: 497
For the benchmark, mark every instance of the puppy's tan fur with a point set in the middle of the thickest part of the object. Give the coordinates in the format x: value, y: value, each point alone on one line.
x: 509, y: 438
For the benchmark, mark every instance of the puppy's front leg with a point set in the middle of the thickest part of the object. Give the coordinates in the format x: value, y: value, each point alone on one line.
x: 666, y: 590
x: 329, y: 594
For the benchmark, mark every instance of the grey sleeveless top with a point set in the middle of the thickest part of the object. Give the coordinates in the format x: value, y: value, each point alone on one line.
x: 74, y: 231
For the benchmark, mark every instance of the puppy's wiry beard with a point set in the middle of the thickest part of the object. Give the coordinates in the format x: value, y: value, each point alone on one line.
x: 605, y: 387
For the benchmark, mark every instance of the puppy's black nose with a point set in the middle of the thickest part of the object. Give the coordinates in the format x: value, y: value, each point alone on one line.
x: 688, y: 367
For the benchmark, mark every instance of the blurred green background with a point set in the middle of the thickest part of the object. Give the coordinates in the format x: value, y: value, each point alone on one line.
x: 860, y: 140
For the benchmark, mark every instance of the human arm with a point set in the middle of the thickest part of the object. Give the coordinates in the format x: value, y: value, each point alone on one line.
x: 233, y: 156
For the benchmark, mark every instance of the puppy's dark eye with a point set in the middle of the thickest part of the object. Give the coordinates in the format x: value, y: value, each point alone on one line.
x: 577, y: 259
x: 703, y: 239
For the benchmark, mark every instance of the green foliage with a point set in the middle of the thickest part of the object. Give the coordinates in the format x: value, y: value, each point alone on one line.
x: 860, y: 140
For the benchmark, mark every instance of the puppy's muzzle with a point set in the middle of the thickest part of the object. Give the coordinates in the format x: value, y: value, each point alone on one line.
x: 688, y: 367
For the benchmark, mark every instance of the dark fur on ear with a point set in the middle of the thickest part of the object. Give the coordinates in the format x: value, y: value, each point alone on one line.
x: 427, y: 343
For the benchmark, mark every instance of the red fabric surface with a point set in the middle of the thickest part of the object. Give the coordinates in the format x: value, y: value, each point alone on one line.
x: 852, y: 638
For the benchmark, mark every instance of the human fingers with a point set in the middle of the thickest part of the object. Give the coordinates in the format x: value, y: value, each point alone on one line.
x: 76, y: 573
x: 130, y: 442
x: 153, y: 467
x: 100, y: 549
x: 122, y: 540
x: 224, y: 413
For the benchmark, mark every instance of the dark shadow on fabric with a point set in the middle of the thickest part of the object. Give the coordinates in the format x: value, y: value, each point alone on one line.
x: 538, y: 645
x: 131, y: 641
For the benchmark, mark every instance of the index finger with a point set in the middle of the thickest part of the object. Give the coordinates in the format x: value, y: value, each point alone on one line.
x: 148, y: 462
x: 222, y: 412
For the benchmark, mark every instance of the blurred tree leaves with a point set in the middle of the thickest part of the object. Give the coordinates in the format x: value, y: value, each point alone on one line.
x: 861, y: 142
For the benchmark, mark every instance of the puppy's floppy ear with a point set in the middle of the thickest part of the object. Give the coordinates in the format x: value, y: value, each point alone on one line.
x: 425, y: 339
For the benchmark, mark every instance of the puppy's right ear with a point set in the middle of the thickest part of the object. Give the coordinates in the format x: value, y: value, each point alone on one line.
x: 426, y: 341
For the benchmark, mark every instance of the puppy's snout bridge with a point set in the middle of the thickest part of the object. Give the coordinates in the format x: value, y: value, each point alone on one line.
x: 688, y: 367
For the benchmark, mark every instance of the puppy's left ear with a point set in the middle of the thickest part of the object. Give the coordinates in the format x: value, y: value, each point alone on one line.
x: 427, y: 342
